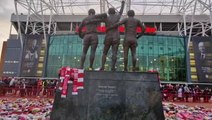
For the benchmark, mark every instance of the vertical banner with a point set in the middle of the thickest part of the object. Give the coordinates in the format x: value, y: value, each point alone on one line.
x: 202, y: 47
x: 31, y: 53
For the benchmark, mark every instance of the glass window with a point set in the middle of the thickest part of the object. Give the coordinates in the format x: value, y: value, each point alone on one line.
x: 166, y: 54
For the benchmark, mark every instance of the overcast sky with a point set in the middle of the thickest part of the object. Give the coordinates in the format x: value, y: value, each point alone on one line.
x: 6, y: 9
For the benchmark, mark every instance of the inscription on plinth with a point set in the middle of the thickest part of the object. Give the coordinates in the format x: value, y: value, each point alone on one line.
x: 107, y: 92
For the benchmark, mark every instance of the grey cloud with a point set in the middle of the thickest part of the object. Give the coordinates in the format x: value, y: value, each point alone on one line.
x: 6, y: 9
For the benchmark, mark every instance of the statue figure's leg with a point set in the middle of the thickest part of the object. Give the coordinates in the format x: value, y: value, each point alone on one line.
x: 94, y: 44
x: 114, y: 55
x: 126, y: 49
x: 84, y: 52
x: 105, y: 51
x: 133, y: 52
x: 92, y: 56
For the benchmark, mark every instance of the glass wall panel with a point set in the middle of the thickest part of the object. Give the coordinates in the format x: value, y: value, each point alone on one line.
x: 165, y: 54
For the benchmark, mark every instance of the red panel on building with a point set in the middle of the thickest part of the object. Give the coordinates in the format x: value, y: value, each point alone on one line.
x: 102, y: 29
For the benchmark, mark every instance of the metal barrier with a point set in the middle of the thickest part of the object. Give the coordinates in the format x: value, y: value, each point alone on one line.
x: 186, y: 97
x: 27, y: 92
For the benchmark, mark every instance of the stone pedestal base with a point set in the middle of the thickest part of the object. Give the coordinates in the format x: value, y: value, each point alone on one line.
x: 109, y: 95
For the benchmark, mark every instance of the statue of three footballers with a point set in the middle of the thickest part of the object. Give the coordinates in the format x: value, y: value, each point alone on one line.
x: 112, y: 37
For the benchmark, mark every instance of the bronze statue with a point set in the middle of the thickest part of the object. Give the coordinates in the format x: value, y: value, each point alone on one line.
x: 112, y: 37
x: 130, y: 40
x: 90, y: 37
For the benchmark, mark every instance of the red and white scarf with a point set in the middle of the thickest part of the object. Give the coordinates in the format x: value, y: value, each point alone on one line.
x: 75, y: 77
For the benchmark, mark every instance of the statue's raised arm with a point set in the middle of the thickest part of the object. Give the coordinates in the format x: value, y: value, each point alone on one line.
x: 122, y: 7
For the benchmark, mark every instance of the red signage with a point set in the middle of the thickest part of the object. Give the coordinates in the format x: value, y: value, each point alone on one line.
x: 102, y: 29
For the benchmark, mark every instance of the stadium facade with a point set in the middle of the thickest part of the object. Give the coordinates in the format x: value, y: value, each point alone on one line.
x: 47, y: 42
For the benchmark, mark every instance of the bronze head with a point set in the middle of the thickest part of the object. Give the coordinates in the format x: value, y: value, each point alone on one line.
x: 91, y: 12
x: 111, y: 11
x: 131, y: 13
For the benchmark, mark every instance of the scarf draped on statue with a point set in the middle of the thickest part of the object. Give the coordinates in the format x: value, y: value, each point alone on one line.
x: 72, y: 76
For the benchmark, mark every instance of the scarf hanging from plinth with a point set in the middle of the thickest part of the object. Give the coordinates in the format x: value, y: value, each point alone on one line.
x: 74, y: 76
